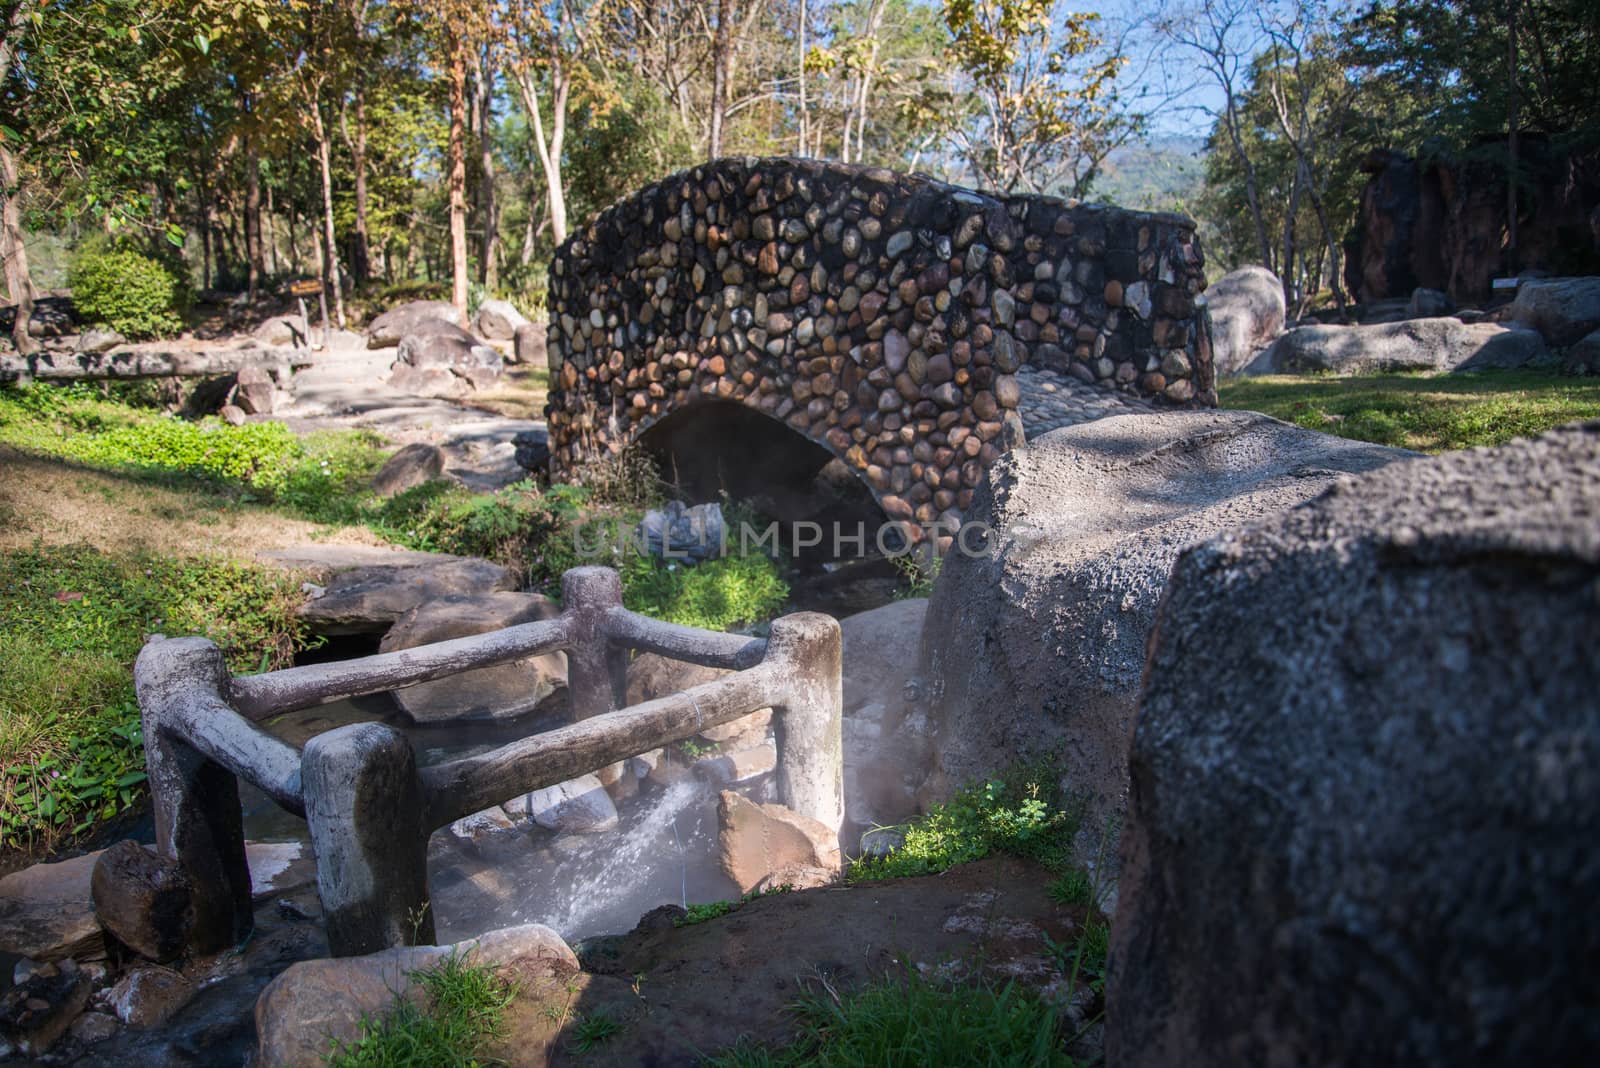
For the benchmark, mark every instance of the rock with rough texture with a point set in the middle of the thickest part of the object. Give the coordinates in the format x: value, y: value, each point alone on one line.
x: 149, y: 996
x: 1564, y: 310
x: 1445, y: 344
x: 578, y: 806
x: 281, y: 330
x: 1429, y: 304
x: 318, y: 1003
x: 1035, y: 637
x: 144, y: 900
x: 38, y: 1011
x: 45, y: 911
x: 528, y: 347
x: 886, y: 751
x: 254, y: 391
x: 480, y: 825
x: 386, y: 330
x: 1583, y: 357
x: 1362, y: 830
x: 103, y: 339
x: 651, y: 676
x: 756, y: 840
x: 409, y: 467
x: 1247, y: 311
x: 737, y: 764
x: 499, y: 320
x: 496, y: 692
x: 370, y: 599
x: 533, y: 450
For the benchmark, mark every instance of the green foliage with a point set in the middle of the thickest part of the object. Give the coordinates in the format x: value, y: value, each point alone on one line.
x: 710, y: 910
x: 466, y: 1011
x: 714, y: 595
x: 912, y: 1023
x: 593, y: 1030
x: 1456, y: 411
x: 1072, y: 888
x: 135, y: 295
x: 72, y: 619
x: 1023, y: 812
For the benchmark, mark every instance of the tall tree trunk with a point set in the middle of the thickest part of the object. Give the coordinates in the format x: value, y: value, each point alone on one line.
x: 1511, y: 138
x: 721, y: 57
x: 549, y: 152
x: 14, y: 248
x: 804, y: 118
x: 329, y: 238
x: 458, y: 171
x: 360, y: 242
x: 252, y: 216
x: 488, y: 250
x: 1251, y: 196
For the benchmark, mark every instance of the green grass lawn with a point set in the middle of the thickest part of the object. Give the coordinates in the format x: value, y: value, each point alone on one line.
x: 1429, y: 414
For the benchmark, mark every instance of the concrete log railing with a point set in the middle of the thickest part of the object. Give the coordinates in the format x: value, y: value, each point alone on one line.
x: 370, y: 807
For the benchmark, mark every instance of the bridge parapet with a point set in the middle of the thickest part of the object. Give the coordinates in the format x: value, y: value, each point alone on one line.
x: 881, y: 315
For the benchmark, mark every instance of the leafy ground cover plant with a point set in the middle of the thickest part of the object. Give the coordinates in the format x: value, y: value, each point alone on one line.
x: 464, y: 1012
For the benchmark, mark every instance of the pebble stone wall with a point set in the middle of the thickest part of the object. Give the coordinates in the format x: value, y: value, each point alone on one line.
x: 881, y: 315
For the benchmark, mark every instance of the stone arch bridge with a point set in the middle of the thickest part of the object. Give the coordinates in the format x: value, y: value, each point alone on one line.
x: 912, y: 329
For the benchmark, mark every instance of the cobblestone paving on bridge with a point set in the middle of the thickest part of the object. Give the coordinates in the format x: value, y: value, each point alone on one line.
x: 1052, y: 400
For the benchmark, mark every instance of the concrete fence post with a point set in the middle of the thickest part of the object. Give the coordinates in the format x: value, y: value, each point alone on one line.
x: 810, y: 721
x: 196, y: 801
x: 364, y: 806
x: 597, y: 672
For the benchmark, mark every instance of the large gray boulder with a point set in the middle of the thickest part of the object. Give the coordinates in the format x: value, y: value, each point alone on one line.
x: 1366, y: 779
x: 1035, y: 641
x: 529, y: 345
x: 1562, y: 309
x: 886, y: 748
x: 1583, y: 357
x: 1445, y: 344
x: 386, y: 330
x: 370, y: 598
x: 1247, y: 311
x: 436, y: 347
x: 497, y: 692
x: 499, y: 320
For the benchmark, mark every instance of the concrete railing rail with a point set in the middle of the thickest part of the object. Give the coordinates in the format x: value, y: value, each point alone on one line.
x: 370, y: 808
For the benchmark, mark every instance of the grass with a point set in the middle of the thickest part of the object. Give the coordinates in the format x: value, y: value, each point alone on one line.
x: 910, y: 1023
x: 711, y: 910
x: 465, y: 1012
x: 72, y: 619
x: 1428, y: 414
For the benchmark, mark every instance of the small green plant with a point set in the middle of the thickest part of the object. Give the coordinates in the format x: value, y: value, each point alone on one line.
x: 465, y: 1011
x: 1085, y: 957
x: 1073, y: 888
x: 1022, y: 812
x: 594, y: 1029
x: 913, y: 1022
x: 694, y: 750
x: 135, y: 295
x: 712, y: 909
x: 918, y: 570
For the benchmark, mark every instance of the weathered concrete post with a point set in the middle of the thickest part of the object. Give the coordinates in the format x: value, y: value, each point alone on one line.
x: 364, y: 806
x: 597, y: 673
x: 810, y: 720
x: 196, y: 801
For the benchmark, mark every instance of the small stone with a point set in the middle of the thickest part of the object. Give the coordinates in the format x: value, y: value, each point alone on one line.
x: 899, y: 243
x: 1005, y: 308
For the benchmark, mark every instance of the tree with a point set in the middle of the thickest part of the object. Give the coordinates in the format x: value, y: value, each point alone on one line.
x: 1045, y: 110
x: 13, y: 245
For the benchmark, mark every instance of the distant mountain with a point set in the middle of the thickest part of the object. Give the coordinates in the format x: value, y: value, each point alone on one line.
x: 1162, y: 174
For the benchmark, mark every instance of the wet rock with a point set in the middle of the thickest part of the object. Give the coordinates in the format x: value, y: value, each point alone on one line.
x: 387, y: 329
x: 144, y: 900
x: 370, y: 599
x: 497, y: 692
x: 315, y: 1004
x: 149, y: 996
x: 410, y: 466
x: 34, y: 1014
x: 1412, y: 345
x: 277, y: 868
x: 480, y: 825
x: 45, y: 911
x: 737, y: 765
x: 499, y: 320
x: 93, y: 1027
x: 755, y: 840
x: 578, y: 806
x: 1247, y: 312
x: 1364, y: 831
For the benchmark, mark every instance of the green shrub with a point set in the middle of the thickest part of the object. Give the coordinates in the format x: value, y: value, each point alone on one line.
x: 135, y: 295
x: 1022, y: 812
x: 714, y: 595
